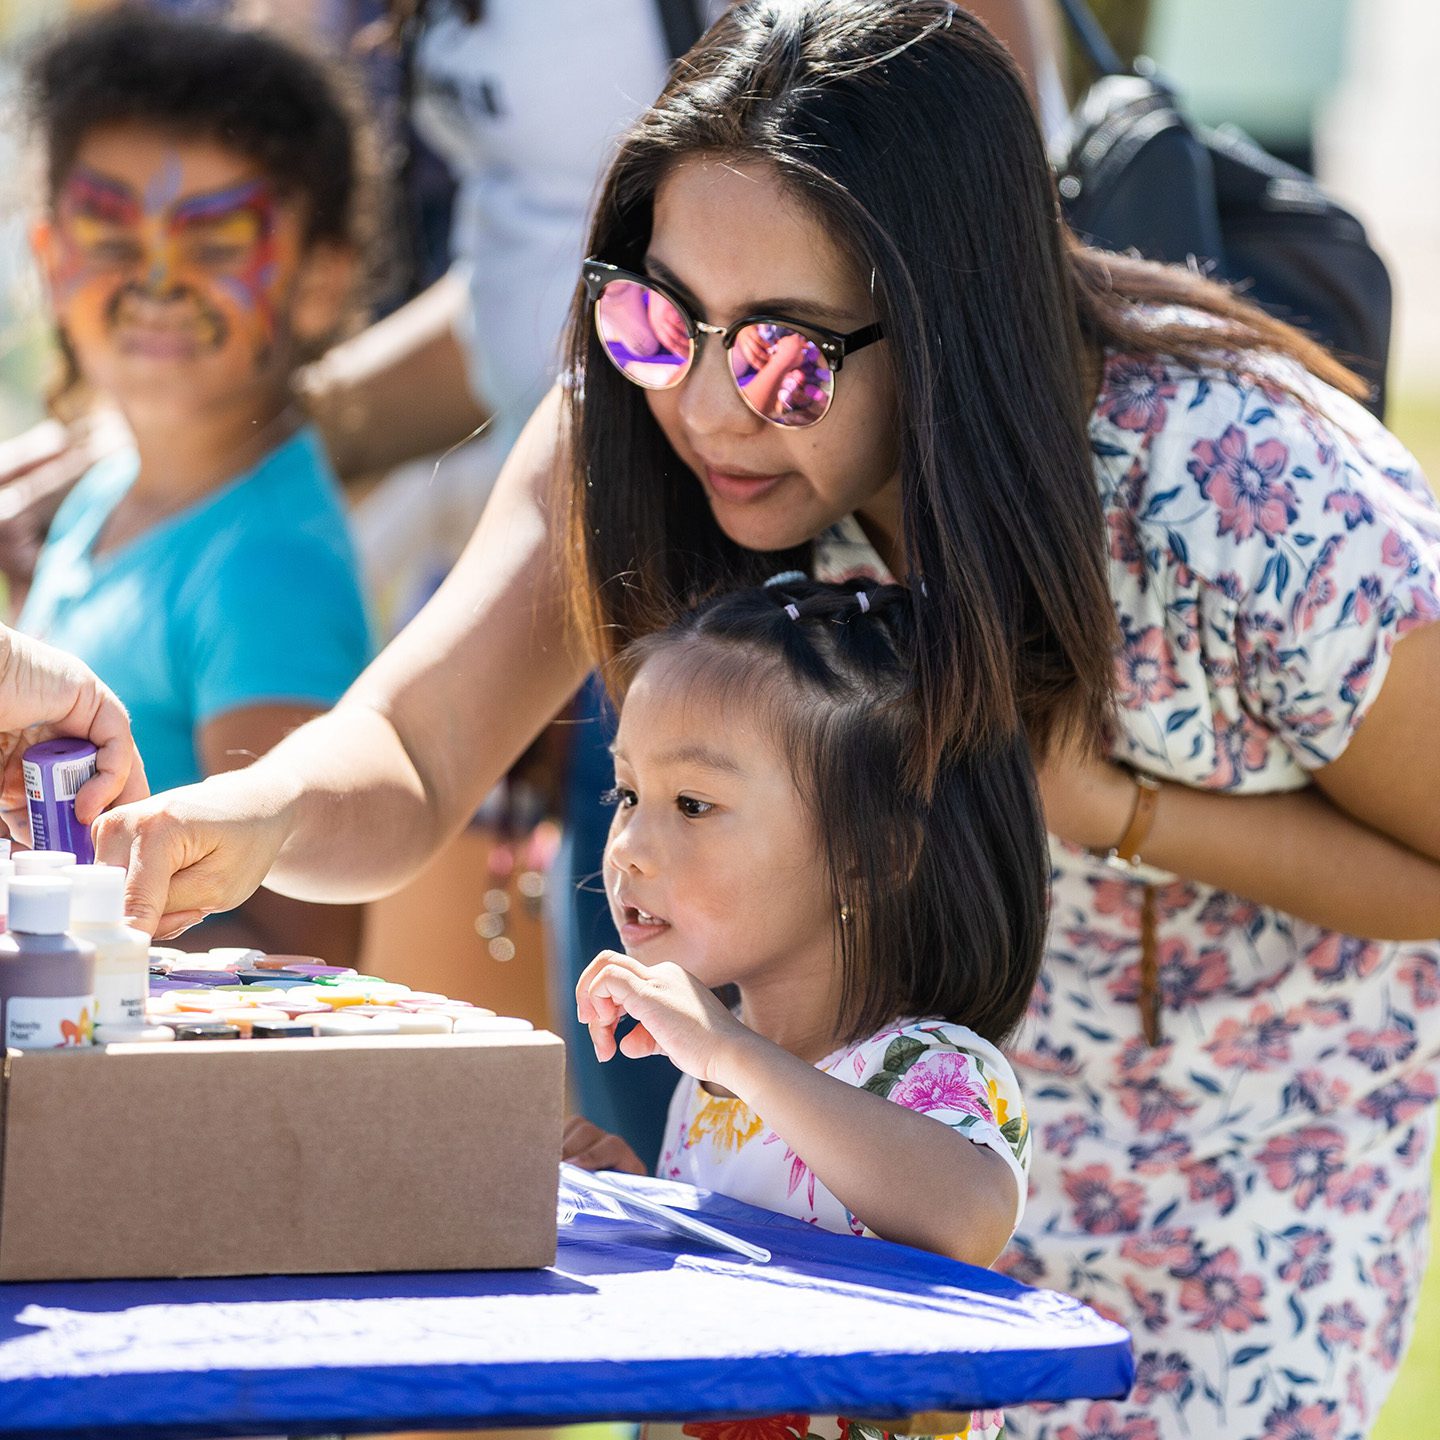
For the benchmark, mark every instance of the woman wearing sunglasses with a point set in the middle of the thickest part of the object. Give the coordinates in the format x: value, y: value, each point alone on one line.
x: 831, y: 322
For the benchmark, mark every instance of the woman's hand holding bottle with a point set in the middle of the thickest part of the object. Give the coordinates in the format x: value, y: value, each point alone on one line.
x: 195, y: 851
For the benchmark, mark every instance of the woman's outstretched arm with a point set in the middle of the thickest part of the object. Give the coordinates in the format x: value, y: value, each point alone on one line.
x: 351, y: 805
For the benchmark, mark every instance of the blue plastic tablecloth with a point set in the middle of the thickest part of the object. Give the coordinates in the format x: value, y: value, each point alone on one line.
x: 628, y: 1323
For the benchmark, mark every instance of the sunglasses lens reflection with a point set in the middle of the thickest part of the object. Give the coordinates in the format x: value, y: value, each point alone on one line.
x: 782, y: 374
x: 645, y: 336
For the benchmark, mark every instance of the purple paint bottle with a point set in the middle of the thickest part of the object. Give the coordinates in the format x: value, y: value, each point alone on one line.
x: 54, y: 772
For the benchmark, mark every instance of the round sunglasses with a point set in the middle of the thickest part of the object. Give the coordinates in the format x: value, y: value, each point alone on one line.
x: 784, y: 372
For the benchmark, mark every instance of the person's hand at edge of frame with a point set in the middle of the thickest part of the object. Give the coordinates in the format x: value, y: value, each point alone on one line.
x: 45, y: 693
x: 38, y: 469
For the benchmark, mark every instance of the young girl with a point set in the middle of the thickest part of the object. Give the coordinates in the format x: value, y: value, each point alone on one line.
x: 199, y: 240
x: 882, y: 922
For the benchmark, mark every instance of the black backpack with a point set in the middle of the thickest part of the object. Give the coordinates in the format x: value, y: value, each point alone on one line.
x: 682, y: 23
x: 1136, y: 174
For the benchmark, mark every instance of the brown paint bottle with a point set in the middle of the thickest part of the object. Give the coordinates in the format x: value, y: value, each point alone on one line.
x: 47, y: 978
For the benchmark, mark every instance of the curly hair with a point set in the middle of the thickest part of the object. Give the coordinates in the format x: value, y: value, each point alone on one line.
x: 252, y: 92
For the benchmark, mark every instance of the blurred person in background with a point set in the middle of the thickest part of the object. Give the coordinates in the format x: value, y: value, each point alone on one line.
x: 204, y: 194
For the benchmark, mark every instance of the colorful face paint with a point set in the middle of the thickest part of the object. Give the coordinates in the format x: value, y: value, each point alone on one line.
x: 162, y: 273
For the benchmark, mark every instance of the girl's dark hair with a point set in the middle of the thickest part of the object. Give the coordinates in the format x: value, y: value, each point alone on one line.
x: 905, y: 128
x: 247, y: 90
x: 946, y: 884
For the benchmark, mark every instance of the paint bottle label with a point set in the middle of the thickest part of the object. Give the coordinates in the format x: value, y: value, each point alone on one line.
x: 120, y: 998
x: 54, y: 771
x: 46, y: 1022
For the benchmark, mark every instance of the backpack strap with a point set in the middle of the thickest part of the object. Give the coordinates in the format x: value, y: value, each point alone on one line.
x: 682, y: 23
x: 1091, y: 38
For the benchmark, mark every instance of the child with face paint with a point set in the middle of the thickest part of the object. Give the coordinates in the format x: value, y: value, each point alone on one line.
x: 198, y: 245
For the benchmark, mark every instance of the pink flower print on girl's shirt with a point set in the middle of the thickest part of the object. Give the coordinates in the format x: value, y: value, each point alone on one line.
x: 799, y: 1170
x: 1245, y: 488
x: 943, y: 1081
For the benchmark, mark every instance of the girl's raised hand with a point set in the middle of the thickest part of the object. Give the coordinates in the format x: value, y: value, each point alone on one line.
x: 675, y: 1014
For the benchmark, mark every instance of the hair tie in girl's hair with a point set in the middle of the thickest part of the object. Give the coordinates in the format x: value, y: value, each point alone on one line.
x: 864, y: 600
x: 793, y: 611
x: 786, y: 577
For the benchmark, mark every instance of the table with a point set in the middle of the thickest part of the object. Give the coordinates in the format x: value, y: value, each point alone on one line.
x: 629, y: 1323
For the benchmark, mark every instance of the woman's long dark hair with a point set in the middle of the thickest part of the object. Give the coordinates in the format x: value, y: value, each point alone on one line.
x: 945, y: 887
x: 904, y: 126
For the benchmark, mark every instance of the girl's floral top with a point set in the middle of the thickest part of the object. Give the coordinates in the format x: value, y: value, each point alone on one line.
x: 1250, y: 1197
x: 943, y: 1070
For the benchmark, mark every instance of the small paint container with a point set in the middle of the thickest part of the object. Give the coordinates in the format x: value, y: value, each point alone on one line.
x: 202, y: 997
x: 287, y: 1002
x: 212, y: 978
x: 131, y: 1034
x: 288, y: 962
x: 245, y: 1020
x: 332, y: 972
x: 370, y: 992
x: 450, y: 1007
x: 472, y: 1024
x: 282, y: 1030
x: 169, y: 957
x: 54, y: 771
x: 345, y: 1024
x: 274, y: 979
x: 343, y: 1001
x: 319, y: 994
x: 204, y: 1030
x: 420, y: 1022
x: 42, y: 862
x: 159, y: 984
x: 233, y: 957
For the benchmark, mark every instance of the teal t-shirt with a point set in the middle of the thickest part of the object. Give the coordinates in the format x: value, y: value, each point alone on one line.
x: 250, y: 596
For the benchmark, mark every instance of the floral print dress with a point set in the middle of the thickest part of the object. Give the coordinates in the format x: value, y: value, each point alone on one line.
x: 940, y: 1069
x: 1249, y: 1196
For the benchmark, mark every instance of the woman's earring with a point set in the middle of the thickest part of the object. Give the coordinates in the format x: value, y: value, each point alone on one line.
x: 844, y: 914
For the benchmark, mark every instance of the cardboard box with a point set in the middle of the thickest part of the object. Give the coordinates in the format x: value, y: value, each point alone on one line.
x: 243, y: 1157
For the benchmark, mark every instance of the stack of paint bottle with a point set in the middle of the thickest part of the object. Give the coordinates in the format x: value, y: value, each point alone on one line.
x: 70, y: 969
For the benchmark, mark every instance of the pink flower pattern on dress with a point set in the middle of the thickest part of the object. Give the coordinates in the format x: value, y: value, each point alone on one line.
x: 1249, y: 1196
x: 1247, y: 489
